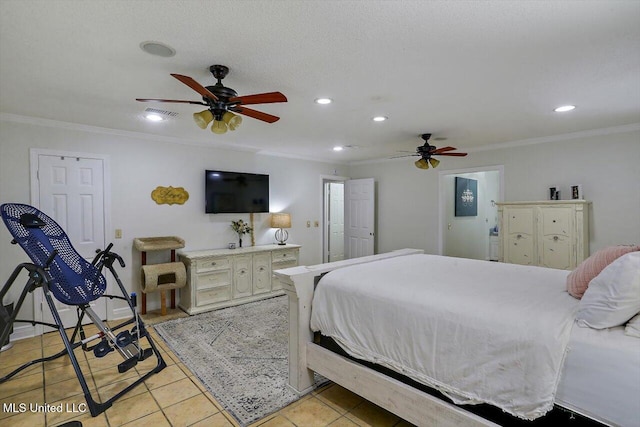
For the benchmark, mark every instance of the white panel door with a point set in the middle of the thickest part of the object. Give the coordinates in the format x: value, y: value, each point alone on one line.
x: 336, y: 221
x: 71, y: 191
x: 359, y: 217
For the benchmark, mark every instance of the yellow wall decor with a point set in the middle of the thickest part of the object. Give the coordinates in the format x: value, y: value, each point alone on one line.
x: 170, y: 195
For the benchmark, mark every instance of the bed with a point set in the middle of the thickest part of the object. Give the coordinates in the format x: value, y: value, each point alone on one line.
x: 478, y: 344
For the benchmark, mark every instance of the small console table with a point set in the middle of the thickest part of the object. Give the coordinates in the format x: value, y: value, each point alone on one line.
x: 220, y: 278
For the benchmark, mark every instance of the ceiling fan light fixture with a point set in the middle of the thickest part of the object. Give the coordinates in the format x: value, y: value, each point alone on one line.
x: 233, y: 121
x: 219, y: 127
x: 422, y: 164
x: 434, y: 162
x: 203, y: 118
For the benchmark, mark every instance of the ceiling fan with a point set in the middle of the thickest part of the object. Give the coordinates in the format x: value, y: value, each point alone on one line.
x: 223, y: 102
x: 426, y: 152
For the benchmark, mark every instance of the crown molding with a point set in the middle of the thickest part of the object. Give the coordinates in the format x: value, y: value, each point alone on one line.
x: 16, y: 118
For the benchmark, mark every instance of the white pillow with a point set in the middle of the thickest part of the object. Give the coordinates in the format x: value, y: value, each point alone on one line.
x: 633, y: 327
x: 613, y: 296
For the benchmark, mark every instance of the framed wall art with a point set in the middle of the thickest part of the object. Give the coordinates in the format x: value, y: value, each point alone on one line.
x: 466, y: 203
x: 576, y: 192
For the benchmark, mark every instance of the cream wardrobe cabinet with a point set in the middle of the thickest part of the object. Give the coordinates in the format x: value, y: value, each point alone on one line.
x: 220, y: 278
x: 552, y: 234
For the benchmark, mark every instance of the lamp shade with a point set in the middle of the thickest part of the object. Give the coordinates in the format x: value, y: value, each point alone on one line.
x: 280, y: 220
x: 203, y: 118
x: 422, y: 164
x: 219, y: 127
x: 434, y: 162
x: 233, y: 121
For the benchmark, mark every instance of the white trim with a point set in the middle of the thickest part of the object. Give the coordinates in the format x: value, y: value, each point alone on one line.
x: 323, y: 211
x: 23, y: 332
x: 7, y: 117
x: 34, y: 153
x: 441, y: 195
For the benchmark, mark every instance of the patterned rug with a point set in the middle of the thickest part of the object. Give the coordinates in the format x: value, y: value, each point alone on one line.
x: 241, y: 355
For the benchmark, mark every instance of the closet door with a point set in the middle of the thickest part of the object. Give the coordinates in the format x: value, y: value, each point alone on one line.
x: 261, y: 273
x: 519, y: 238
x: 242, y: 285
x: 556, y: 237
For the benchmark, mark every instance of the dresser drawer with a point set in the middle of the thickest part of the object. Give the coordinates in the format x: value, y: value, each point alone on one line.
x: 213, y: 295
x: 284, y: 256
x: 213, y: 279
x: 213, y: 263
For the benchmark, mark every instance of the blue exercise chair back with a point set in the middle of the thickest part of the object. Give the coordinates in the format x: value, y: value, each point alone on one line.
x: 73, y: 280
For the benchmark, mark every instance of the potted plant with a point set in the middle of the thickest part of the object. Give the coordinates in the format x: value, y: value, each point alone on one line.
x: 241, y: 228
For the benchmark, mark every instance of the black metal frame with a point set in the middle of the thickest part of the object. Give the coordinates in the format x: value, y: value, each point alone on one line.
x: 39, y: 277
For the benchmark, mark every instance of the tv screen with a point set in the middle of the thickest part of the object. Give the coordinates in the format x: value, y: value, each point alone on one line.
x: 236, y: 192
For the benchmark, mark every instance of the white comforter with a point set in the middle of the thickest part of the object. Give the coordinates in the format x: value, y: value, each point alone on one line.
x: 476, y: 330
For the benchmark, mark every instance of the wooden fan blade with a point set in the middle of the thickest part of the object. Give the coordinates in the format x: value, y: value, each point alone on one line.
x: 170, y: 100
x: 259, y: 98
x: 255, y: 114
x: 195, y: 86
x: 443, y: 149
x: 450, y: 154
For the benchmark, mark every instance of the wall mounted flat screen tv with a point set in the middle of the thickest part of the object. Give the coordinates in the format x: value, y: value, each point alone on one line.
x: 236, y: 192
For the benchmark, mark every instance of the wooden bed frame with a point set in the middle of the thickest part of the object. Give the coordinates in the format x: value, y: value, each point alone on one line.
x: 305, y: 357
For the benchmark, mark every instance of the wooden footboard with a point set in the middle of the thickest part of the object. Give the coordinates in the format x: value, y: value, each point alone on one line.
x: 299, y: 284
x: 305, y: 357
x: 411, y: 404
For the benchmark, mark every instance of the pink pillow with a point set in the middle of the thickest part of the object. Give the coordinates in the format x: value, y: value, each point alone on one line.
x: 578, y: 280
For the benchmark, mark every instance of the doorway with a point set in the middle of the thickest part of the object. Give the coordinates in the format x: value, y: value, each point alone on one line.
x: 470, y: 236
x: 333, y: 218
x: 348, y: 218
x: 71, y: 188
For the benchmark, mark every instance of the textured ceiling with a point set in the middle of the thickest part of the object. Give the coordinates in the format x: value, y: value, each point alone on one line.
x: 477, y: 73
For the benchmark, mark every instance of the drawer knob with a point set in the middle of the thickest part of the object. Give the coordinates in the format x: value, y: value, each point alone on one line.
x: 555, y: 238
x: 213, y: 263
x: 519, y: 236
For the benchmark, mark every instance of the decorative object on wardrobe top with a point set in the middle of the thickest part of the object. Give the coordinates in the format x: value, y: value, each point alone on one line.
x: 426, y: 153
x: 281, y: 221
x: 223, y: 103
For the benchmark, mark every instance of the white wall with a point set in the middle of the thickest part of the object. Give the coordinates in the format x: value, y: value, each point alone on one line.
x: 138, y: 165
x: 607, y: 166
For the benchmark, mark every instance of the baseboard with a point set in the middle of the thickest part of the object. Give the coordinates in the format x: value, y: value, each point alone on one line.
x: 21, y: 332
x: 121, y: 313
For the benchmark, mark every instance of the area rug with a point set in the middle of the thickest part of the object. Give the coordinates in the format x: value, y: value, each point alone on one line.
x: 240, y: 354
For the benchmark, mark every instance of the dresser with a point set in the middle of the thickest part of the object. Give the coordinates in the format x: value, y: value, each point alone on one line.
x: 220, y: 278
x: 552, y: 234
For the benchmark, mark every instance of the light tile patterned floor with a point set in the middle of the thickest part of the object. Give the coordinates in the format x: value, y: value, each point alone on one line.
x: 173, y: 397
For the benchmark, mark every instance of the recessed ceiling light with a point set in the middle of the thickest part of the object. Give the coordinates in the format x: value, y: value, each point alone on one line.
x: 379, y: 119
x: 338, y: 148
x: 157, y: 49
x: 154, y: 117
x: 565, y: 108
x: 324, y: 101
